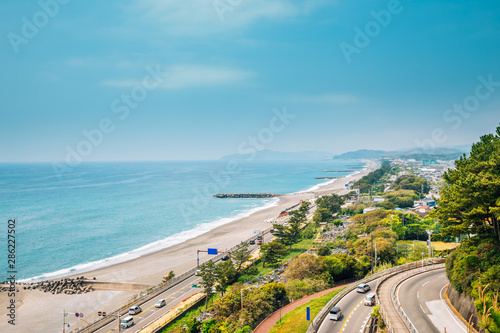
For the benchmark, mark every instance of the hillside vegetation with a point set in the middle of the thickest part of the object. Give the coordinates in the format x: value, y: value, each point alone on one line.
x: 470, y: 206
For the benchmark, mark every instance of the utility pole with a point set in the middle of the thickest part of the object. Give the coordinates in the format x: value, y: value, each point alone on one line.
x: 430, y: 232
x: 375, y: 255
x: 391, y: 222
x: 371, y: 256
x: 64, y: 321
x: 119, y: 327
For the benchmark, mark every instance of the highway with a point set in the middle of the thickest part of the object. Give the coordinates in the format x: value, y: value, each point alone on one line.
x: 356, y: 314
x: 172, y: 296
x: 149, y: 313
x: 421, y: 298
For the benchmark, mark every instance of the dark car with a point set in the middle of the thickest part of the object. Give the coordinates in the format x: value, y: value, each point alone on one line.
x: 252, y: 242
x: 225, y: 257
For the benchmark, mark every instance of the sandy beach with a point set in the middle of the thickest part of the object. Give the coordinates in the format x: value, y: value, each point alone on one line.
x: 43, y: 311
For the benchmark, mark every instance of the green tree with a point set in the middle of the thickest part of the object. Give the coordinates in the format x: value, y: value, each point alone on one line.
x: 470, y: 201
x: 401, y: 198
x: 365, y: 183
x: 169, y: 277
x: 332, y: 203
x: 324, y: 250
x: 322, y: 215
x: 304, y: 207
x: 208, y: 278
x: 241, y: 255
x: 225, y: 275
x: 272, y: 252
x: 411, y: 182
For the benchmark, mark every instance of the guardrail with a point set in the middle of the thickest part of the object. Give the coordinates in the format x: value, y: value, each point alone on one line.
x: 149, y: 294
x: 411, y: 327
x: 320, y: 317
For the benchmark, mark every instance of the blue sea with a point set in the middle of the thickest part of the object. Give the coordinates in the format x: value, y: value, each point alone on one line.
x: 103, y: 213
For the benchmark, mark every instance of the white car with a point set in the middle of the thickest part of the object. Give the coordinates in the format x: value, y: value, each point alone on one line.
x: 161, y: 303
x: 134, y: 310
x: 127, y: 322
x: 363, y: 288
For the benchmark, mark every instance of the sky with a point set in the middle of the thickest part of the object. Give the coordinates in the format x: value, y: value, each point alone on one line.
x: 200, y: 79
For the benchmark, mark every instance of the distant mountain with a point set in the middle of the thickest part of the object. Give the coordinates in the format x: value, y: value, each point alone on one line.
x: 363, y: 154
x: 271, y: 155
x: 443, y: 153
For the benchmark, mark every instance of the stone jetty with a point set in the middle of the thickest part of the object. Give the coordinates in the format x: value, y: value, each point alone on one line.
x: 326, y: 177
x: 339, y: 170
x: 63, y: 286
x: 246, y: 195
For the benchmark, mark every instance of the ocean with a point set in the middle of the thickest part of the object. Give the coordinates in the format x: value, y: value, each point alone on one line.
x: 104, y: 213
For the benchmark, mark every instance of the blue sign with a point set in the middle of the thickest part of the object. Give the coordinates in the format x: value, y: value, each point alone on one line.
x: 308, y: 313
x: 212, y: 251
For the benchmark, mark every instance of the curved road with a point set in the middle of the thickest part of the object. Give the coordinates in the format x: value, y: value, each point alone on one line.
x: 421, y: 298
x: 356, y: 314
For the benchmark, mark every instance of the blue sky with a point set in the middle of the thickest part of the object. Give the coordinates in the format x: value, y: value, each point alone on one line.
x: 224, y: 67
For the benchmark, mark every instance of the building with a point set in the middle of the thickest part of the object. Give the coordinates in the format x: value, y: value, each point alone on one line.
x: 370, y: 209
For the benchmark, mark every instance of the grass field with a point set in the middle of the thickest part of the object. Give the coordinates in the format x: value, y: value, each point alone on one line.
x: 441, y: 246
x: 295, y: 321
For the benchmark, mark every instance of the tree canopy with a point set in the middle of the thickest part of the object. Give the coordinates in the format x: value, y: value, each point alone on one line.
x: 470, y: 200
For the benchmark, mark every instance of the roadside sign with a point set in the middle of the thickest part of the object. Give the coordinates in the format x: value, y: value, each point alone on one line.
x: 99, y: 313
x: 212, y: 251
x: 77, y: 314
x: 81, y: 315
x: 308, y: 313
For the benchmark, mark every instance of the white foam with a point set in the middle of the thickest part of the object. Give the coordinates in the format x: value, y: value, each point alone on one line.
x: 331, y: 181
x: 178, y: 238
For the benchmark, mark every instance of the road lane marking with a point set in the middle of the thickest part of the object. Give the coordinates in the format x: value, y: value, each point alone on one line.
x: 446, y: 307
x: 349, y: 316
x: 188, y: 285
x: 422, y: 308
x: 426, y: 283
x: 418, y: 293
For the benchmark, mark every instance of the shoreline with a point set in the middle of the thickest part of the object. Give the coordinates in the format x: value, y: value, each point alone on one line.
x: 43, y: 310
x: 177, y: 258
x: 176, y: 239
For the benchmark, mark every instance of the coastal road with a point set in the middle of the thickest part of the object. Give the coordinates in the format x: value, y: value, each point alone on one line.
x: 172, y: 296
x: 421, y: 298
x: 356, y: 314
